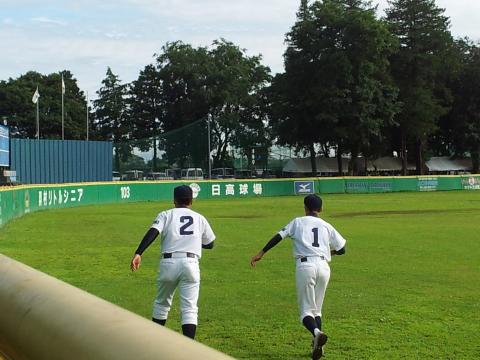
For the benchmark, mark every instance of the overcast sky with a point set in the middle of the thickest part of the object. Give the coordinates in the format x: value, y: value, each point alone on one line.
x: 87, y: 36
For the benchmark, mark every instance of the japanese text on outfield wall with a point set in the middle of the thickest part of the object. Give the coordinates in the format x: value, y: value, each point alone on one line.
x: 4, y: 146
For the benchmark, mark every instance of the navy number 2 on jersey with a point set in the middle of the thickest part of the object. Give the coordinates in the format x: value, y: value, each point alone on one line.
x: 187, y: 221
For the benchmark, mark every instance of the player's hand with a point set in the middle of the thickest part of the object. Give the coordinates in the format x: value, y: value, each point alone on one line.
x: 256, y: 258
x: 135, y: 263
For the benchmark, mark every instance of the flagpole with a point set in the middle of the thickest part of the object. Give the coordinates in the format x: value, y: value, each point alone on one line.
x: 38, y: 121
x: 63, y: 129
x: 35, y: 100
x: 87, y: 115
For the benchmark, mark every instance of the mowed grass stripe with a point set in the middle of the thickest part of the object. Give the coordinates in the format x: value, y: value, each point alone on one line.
x: 406, y: 289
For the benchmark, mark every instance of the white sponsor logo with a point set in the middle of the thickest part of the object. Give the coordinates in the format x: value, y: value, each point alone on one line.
x: 195, y: 189
x: 304, y: 187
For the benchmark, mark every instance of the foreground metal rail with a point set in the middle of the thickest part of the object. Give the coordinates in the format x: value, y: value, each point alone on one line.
x: 44, y: 318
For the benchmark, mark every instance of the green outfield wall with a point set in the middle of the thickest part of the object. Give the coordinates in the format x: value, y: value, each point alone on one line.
x: 21, y: 200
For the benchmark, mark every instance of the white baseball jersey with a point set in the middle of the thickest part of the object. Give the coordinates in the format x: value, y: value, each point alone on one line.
x: 312, y: 236
x: 183, y: 230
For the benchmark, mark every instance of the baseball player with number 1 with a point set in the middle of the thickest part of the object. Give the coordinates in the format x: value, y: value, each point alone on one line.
x: 184, y: 233
x: 314, y: 241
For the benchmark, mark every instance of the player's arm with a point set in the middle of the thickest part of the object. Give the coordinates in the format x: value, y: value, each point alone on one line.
x: 150, y: 236
x: 208, y: 237
x: 337, y: 242
x: 209, y: 245
x: 338, y: 252
x: 286, y: 231
x: 147, y: 240
x: 273, y: 241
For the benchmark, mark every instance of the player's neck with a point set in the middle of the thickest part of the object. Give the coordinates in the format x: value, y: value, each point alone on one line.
x: 311, y: 213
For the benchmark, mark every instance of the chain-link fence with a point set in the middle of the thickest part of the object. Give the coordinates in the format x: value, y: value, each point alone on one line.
x: 184, y: 153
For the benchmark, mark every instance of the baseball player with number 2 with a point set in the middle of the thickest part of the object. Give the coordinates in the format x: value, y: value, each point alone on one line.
x: 314, y: 242
x: 184, y: 233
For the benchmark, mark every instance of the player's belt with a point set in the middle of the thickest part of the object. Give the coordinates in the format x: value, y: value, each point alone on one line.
x: 305, y: 258
x: 178, y: 254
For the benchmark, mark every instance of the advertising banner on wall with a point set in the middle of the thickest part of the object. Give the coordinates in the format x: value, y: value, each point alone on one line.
x: 304, y: 187
x: 429, y: 183
x: 364, y: 186
x: 471, y: 183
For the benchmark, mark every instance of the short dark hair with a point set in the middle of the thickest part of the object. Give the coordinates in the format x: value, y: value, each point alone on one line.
x: 183, y: 195
x: 313, y: 202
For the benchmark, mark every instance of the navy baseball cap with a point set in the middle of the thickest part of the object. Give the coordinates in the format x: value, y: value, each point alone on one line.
x: 313, y: 202
x: 183, y: 192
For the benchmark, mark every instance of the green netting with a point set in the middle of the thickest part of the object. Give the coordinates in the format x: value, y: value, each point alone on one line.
x: 184, y: 152
x: 163, y: 155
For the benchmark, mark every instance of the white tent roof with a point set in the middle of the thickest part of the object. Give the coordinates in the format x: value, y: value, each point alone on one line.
x: 447, y: 164
x: 388, y: 163
x: 329, y: 165
x: 324, y: 165
x: 361, y: 164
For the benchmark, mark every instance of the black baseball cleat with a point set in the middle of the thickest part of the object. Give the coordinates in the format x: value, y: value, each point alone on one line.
x: 318, y: 342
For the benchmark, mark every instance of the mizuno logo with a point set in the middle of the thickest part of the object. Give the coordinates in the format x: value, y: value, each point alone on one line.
x: 304, y: 187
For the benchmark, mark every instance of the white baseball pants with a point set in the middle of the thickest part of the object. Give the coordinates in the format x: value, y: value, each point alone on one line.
x: 312, y: 279
x: 184, y: 273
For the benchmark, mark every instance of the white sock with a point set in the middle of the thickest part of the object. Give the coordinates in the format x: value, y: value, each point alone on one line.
x: 316, y: 331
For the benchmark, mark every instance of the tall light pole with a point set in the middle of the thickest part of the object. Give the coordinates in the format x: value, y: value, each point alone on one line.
x: 209, y: 150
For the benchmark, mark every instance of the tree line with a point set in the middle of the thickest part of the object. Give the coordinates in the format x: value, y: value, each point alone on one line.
x: 354, y: 83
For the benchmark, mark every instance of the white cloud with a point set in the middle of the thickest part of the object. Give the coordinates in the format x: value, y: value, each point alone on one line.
x: 46, y: 20
x: 116, y: 35
x: 464, y: 16
x: 88, y: 59
x: 8, y: 21
x: 86, y: 36
x: 212, y: 11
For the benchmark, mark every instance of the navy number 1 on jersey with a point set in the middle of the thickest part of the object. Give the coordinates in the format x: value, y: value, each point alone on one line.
x: 315, y: 237
x: 187, y: 221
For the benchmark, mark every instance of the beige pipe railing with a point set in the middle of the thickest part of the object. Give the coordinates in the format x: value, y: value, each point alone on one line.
x: 44, y: 318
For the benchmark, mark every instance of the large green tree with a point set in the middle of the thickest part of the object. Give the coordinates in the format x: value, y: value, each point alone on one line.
x: 111, y: 120
x: 460, y: 128
x: 183, y: 98
x: 220, y: 84
x: 235, y: 84
x: 418, y: 66
x: 336, y: 88
x: 369, y: 103
x: 298, y: 109
x: 145, y: 112
x: 17, y: 108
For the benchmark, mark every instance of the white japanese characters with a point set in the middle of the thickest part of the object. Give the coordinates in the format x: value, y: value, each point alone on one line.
x: 47, y: 198
x: 237, y: 189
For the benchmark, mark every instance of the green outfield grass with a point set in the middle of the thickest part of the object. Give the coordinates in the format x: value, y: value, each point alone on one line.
x: 407, y: 288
